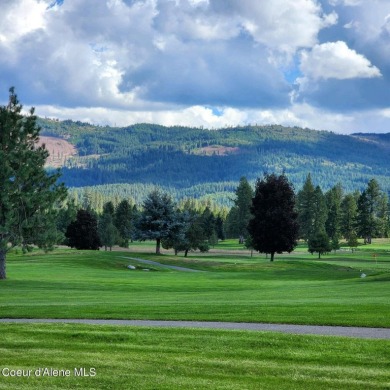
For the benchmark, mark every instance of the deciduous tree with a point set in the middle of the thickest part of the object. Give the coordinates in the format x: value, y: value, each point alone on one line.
x: 274, y: 226
x: 83, y: 232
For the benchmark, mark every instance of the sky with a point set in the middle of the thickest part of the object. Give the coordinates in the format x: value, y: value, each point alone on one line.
x: 321, y: 64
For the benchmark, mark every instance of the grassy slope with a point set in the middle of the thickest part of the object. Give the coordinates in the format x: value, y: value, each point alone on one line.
x: 294, y: 289
x: 146, y: 358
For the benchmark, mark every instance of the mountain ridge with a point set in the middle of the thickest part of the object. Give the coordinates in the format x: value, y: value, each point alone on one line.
x: 182, y: 157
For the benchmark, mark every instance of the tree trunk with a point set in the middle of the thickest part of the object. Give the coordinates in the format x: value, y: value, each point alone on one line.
x: 319, y: 255
x: 3, y: 254
x: 272, y: 256
x: 186, y: 253
x: 158, y: 246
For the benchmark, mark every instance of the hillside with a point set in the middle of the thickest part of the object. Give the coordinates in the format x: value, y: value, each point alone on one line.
x: 183, y: 157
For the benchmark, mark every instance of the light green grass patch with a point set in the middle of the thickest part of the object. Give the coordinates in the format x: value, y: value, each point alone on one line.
x: 293, y: 289
x: 151, y: 358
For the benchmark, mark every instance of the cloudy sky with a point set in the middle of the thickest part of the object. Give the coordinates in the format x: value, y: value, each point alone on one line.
x: 323, y: 64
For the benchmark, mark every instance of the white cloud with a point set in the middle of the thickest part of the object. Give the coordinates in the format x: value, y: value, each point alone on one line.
x: 168, y: 61
x: 335, y: 60
x: 21, y: 17
x: 284, y: 25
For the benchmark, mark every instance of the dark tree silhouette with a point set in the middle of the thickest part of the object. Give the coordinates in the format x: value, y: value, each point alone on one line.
x: 274, y: 227
x: 83, y: 233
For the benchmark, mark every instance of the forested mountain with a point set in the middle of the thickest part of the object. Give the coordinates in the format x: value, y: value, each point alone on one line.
x: 184, y: 158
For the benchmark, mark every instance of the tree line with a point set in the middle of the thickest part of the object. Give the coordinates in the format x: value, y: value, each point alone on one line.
x: 322, y: 219
x: 34, y: 208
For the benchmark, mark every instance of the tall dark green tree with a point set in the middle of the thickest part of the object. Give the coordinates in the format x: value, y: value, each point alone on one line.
x: 159, y: 219
x: 319, y: 242
x: 368, y: 210
x: 348, y: 224
x: 334, y: 198
x: 28, y: 194
x: 274, y: 226
x: 243, y: 203
x: 320, y: 212
x: 220, y: 228
x: 83, y: 232
x: 191, y: 236
x: 383, y: 216
x: 124, y: 221
x: 66, y: 215
x: 108, y: 233
x: 305, y: 208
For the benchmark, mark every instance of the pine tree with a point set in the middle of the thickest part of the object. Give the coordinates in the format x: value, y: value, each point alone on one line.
x: 243, y: 203
x: 124, y: 221
x: 369, y: 210
x: 274, y: 227
x: 83, y: 232
x: 334, y: 198
x: 305, y: 208
x: 320, y: 212
x: 66, y: 215
x: 348, y: 223
x: 319, y: 242
x: 192, y: 235
x: 108, y: 233
x: 159, y: 219
x: 28, y: 193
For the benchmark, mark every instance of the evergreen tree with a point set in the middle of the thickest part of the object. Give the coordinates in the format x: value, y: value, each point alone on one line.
x: 348, y: 223
x: 219, y: 228
x: 335, y: 243
x: 305, y: 208
x: 83, y: 232
x: 159, y: 219
x: 108, y: 208
x: 208, y: 221
x: 123, y: 221
x: 383, y: 216
x: 368, y: 211
x: 66, y: 215
x: 352, y: 241
x: 320, y: 212
x: 108, y: 233
x: 28, y: 193
x: 334, y: 198
x: 319, y: 242
x: 191, y: 237
x: 364, y: 218
x: 243, y: 203
x: 274, y: 226
x: 231, y: 223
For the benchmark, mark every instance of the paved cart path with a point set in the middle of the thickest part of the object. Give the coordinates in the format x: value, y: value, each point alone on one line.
x: 358, y: 332
x: 150, y: 262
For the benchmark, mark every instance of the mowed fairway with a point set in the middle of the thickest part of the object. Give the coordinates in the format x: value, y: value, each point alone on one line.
x: 146, y: 358
x: 296, y: 289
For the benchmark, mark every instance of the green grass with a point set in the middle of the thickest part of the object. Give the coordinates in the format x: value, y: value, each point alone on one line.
x: 152, y: 358
x: 295, y: 289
